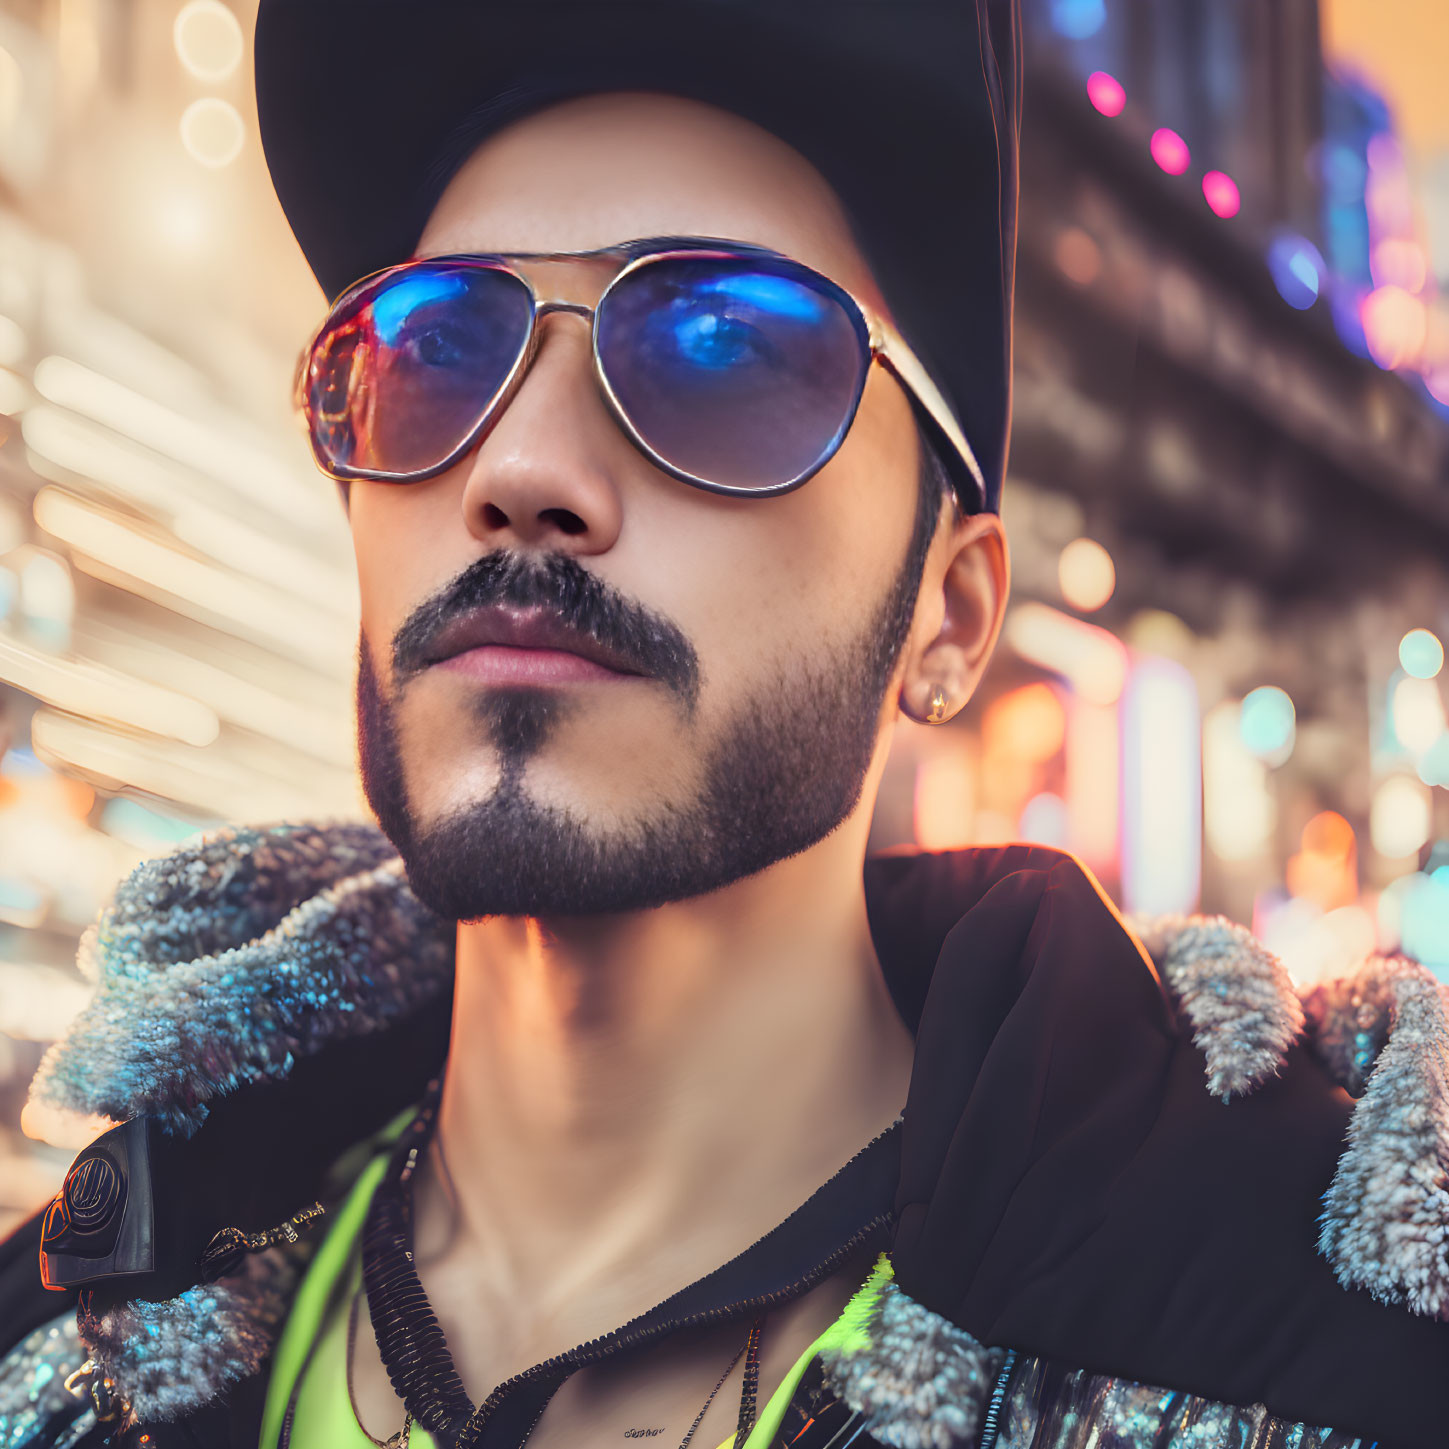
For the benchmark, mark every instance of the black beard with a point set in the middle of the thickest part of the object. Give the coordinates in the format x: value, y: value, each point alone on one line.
x: 786, y: 770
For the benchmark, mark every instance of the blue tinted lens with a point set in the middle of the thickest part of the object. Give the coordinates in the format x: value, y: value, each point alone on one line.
x: 741, y: 372
x: 407, y: 368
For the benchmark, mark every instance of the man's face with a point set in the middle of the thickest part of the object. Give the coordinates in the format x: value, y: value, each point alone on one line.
x: 754, y: 639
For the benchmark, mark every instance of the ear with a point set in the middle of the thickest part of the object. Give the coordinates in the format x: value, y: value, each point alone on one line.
x: 959, y: 612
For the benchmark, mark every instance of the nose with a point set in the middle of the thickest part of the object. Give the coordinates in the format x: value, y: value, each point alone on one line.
x: 545, y: 476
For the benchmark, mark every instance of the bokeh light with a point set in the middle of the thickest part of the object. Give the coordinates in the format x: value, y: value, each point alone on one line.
x: 1093, y: 772
x: 1092, y: 660
x: 212, y: 131
x: 1170, y: 151
x: 1424, y: 919
x: 1421, y: 653
x: 1400, y: 817
x: 1105, y: 93
x: 182, y: 222
x: 1328, y: 834
x: 1297, y: 268
x: 1161, y: 789
x: 1239, y: 812
x: 1398, y: 262
x: 1045, y: 820
x: 1086, y: 574
x: 1394, y: 326
x: 1160, y: 631
x: 1325, y: 868
x: 945, y: 801
x: 1267, y: 723
x: 1078, y: 19
x: 1433, y: 766
x: 1313, y: 943
x: 208, y: 39
x: 1077, y: 255
x: 1417, y: 711
x: 1030, y: 720
x: 1221, y: 194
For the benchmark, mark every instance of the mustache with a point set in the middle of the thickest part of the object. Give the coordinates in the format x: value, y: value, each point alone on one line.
x: 643, y: 638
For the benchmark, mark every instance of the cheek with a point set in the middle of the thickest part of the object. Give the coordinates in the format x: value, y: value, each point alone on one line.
x: 406, y: 542
x: 785, y: 579
x: 788, y: 574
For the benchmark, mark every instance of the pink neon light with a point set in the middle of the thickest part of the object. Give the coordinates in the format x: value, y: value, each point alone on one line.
x: 1221, y: 192
x: 1106, y: 93
x: 1170, y: 151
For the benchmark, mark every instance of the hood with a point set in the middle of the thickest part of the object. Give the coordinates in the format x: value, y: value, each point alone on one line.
x: 1129, y: 1146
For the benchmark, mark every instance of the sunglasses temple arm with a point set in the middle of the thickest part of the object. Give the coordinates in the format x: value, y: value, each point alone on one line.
x: 896, y: 355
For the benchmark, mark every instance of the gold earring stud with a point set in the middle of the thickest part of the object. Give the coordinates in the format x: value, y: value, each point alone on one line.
x: 937, y: 712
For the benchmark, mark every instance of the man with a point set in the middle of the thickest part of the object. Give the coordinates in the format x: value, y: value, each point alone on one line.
x: 724, y: 1138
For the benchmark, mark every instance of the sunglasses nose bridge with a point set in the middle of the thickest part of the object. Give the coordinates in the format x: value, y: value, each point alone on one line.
x: 577, y: 309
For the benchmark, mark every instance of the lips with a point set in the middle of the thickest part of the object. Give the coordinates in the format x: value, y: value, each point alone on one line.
x: 537, y: 631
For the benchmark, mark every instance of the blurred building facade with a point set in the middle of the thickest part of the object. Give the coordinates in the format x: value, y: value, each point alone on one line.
x: 1231, y: 382
x: 177, y: 607
x: 1228, y: 509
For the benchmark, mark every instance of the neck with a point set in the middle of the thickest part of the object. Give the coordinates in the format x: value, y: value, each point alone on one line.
x: 638, y: 1098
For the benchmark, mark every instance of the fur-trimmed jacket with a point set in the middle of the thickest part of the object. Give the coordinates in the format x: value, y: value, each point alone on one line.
x: 1143, y: 1192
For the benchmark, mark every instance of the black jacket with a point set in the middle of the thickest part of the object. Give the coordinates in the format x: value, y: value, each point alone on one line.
x: 1063, y: 1185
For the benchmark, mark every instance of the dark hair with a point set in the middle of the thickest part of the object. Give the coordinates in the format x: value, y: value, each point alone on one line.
x: 933, y: 486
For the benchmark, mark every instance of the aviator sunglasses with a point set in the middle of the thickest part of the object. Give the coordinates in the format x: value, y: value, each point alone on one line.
x: 731, y: 367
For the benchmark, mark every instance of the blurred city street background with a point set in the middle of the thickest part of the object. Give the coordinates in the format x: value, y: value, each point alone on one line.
x: 1220, y: 679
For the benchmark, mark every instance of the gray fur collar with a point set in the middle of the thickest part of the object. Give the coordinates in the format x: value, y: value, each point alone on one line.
x: 224, y: 961
x: 918, y: 1381
x: 219, y: 964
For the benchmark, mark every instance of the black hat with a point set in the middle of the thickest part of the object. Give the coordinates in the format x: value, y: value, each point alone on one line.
x: 909, y: 108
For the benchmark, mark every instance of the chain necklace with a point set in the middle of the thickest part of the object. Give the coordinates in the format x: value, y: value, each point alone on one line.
x: 401, y: 1439
x: 409, y: 1337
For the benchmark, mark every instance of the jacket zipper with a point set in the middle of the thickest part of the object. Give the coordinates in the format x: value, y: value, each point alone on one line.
x: 594, y: 1349
x: 991, y: 1426
x: 622, y: 1338
x: 598, y: 1348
